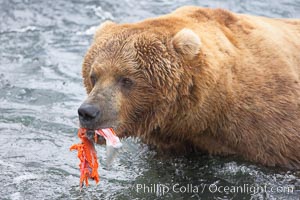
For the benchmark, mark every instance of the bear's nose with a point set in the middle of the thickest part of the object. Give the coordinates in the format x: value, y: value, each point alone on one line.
x: 88, y: 112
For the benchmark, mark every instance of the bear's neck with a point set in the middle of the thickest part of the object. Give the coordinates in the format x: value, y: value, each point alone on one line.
x: 205, y: 112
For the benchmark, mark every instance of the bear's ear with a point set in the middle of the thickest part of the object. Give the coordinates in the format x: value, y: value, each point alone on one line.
x: 187, y: 43
x: 103, y: 26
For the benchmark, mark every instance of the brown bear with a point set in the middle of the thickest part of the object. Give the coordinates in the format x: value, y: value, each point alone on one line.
x: 199, y: 79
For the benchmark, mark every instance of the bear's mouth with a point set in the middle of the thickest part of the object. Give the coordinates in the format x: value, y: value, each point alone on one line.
x: 90, y: 134
x: 98, y: 139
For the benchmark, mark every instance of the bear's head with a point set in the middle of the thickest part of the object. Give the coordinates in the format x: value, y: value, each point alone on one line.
x: 139, y: 79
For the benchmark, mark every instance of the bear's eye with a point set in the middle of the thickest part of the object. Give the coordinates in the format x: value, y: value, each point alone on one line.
x: 93, y: 79
x: 125, y: 82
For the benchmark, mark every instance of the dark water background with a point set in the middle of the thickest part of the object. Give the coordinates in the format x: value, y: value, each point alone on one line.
x: 42, y: 44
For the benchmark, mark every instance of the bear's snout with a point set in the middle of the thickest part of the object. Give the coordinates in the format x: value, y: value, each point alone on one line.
x: 88, y: 114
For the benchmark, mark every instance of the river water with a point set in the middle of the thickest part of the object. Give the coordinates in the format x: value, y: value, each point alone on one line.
x: 41, y: 51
